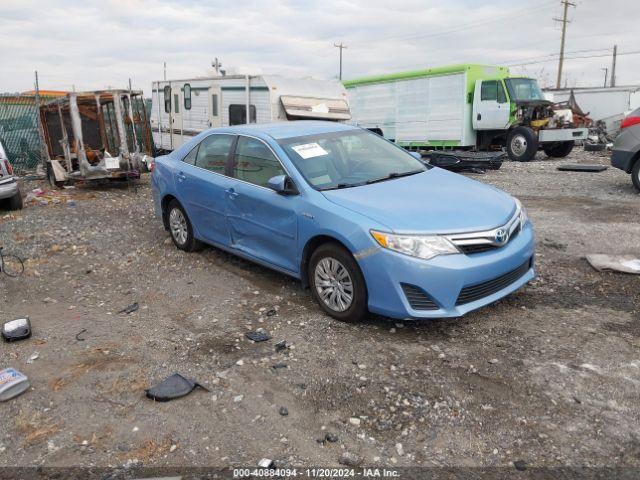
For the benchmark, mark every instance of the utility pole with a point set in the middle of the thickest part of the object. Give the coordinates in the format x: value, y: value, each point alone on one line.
x: 612, y: 82
x: 164, y: 67
x: 606, y: 74
x: 341, y: 47
x: 216, y: 65
x: 564, y: 21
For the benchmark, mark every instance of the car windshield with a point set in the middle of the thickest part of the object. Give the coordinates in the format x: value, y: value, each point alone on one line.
x: 524, y: 89
x: 348, y: 159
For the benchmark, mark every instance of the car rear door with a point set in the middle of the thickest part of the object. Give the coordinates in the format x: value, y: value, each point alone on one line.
x: 263, y: 223
x: 201, y: 183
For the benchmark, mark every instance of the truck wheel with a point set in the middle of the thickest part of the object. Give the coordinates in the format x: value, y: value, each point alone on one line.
x: 15, y: 202
x: 558, y: 149
x: 522, y: 144
x: 635, y: 175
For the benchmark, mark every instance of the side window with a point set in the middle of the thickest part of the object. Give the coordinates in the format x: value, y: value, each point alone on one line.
x: 489, y: 91
x: 187, y: 96
x: 238, y: 114
x: 167, y: 99
x: 176, y: 103
x: 213, y: 153
x: 214, y: 105
x: 502, y: 96
x: 190, y: 157
x: 254, y: 162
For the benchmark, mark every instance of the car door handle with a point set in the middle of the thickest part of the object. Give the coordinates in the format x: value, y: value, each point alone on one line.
x: 181, y: 177
x: 231, y: 193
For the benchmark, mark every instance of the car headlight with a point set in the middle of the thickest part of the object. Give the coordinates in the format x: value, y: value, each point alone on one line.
x: 421, y: 246
x: 522, y: 213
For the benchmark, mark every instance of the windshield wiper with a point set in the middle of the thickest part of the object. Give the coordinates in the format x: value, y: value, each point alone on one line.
x: 342, y: 185
x: 394, y: 175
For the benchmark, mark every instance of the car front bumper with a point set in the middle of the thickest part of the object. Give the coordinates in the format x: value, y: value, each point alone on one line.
x: 485, y: 277
x: 8, y: 188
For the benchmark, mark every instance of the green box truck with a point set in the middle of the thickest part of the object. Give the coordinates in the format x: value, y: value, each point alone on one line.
x: 469, y: 106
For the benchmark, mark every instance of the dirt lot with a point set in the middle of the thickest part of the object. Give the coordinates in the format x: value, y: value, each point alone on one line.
x: 549, y: 376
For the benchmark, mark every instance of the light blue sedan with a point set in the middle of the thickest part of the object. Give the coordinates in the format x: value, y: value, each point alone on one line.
x: 361, y: 222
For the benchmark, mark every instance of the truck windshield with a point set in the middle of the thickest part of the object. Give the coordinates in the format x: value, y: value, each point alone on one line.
x: 524, y: 89
x: 350, y: 158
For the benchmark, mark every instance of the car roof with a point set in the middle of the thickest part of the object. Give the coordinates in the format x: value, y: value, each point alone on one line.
x: 280, y: 130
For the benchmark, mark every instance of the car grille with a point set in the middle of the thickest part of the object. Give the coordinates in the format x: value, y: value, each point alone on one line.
x: 475, y: 292
x: 486, y: 247
x: 417, y: 298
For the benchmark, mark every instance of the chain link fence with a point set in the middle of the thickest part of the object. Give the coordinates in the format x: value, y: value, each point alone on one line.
x: 19, y: 132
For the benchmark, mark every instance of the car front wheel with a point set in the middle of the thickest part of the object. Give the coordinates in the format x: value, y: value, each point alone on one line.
x: 180, y: 228
x: 635, y: 175
x: 337, y: 283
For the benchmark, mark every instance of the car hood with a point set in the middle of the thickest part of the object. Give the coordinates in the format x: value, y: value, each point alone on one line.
x: 435, y: 201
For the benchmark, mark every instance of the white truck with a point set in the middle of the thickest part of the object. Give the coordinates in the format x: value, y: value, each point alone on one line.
x: 472, y: 107
x: 181, y: 109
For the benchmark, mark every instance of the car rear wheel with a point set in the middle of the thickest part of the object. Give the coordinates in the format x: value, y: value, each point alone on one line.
x: 522, y: 144
x: 15, y: 202
x: 337, y: 283
x: 180, y: 228
x: 635, y: 175
x: 558, y: 149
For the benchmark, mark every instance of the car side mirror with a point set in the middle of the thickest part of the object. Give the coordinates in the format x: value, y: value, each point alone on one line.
x: 283, y: 185
x: 416, y: 155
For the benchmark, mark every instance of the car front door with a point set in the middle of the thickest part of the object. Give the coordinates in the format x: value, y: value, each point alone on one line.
x: 490, y: 106
x: 263, y: 223
x: 202, y: 184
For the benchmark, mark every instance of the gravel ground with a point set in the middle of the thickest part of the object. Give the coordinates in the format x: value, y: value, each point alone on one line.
x: 548, y: 376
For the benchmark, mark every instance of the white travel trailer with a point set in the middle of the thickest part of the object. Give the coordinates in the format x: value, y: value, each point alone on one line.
x: 181, y: 109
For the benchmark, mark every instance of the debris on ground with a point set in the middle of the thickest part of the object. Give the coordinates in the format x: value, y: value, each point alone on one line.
x: 130, y: 308
x: 520, y: 465
x: 330, y: 437
x: 283, y: 411
x: 618, y: 263
x: 78, y: 337
x: 12, y: 384
x: 15, y: 330
x: 350, y: 459
x: 33, y: 357
x: 582, y: 167
x: 266, y: 463
x: 257, y: 336
x: 175, y: 386
x: 278, y: 366
x: 282, y: 346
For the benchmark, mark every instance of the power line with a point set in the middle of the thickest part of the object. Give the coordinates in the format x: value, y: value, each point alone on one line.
x: 555, y: 55
x: 636, y: 52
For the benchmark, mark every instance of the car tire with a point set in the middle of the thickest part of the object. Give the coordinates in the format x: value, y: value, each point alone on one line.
x: 635, y: 175
x: 15, y: 202
x: 558, y: 149
x: 335, y: 264
x: 180, y: 228
x: 522, y: 144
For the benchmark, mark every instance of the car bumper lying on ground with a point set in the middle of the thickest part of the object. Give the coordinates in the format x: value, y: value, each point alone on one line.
x: 401, y: 286
x: 8, y: 188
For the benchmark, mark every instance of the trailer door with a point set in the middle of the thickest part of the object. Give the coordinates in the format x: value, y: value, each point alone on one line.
x: 177, y: 125
x: 214, y: 106
x: 490, y: 106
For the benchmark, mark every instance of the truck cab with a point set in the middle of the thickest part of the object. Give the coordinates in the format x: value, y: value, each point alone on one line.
x: 512, y: 112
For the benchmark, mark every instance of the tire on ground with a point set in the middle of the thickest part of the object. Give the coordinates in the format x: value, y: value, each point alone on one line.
x: 558, y: 149
x: 522, y: 144
x: 594, y: 147
x: 358, y: 308
x: 635, y: 175
x: 191, y: 244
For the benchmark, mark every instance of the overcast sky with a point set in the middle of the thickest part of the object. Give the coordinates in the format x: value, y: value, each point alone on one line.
x: 92, y: 44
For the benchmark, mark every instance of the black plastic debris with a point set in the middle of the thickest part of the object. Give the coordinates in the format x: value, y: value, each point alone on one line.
x: 460, y: 161
x: 78, y: 337
x: 578, y: 167
x: 520, y: 465
x: 18, y: 329
x: 278, y: 366
x: 283, y: 411
x: 330, y: 437
x: 257, y: 336
x: 130, y: 308
x: 175, y: 386
x: 271, y: 312
x: 282, y: 346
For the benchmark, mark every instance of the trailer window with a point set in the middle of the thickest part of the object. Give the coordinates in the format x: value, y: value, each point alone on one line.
x: 214, y: 105
x: 187, y: 96
x: 167, y: 99
x: 238, y: 114
x: 176, y: 103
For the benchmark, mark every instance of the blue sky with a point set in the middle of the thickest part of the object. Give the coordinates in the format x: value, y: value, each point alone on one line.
x: 96, y: 44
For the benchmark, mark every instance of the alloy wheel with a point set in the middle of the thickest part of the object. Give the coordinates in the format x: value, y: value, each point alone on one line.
x: 333, y: 284
x: 178, y: 226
